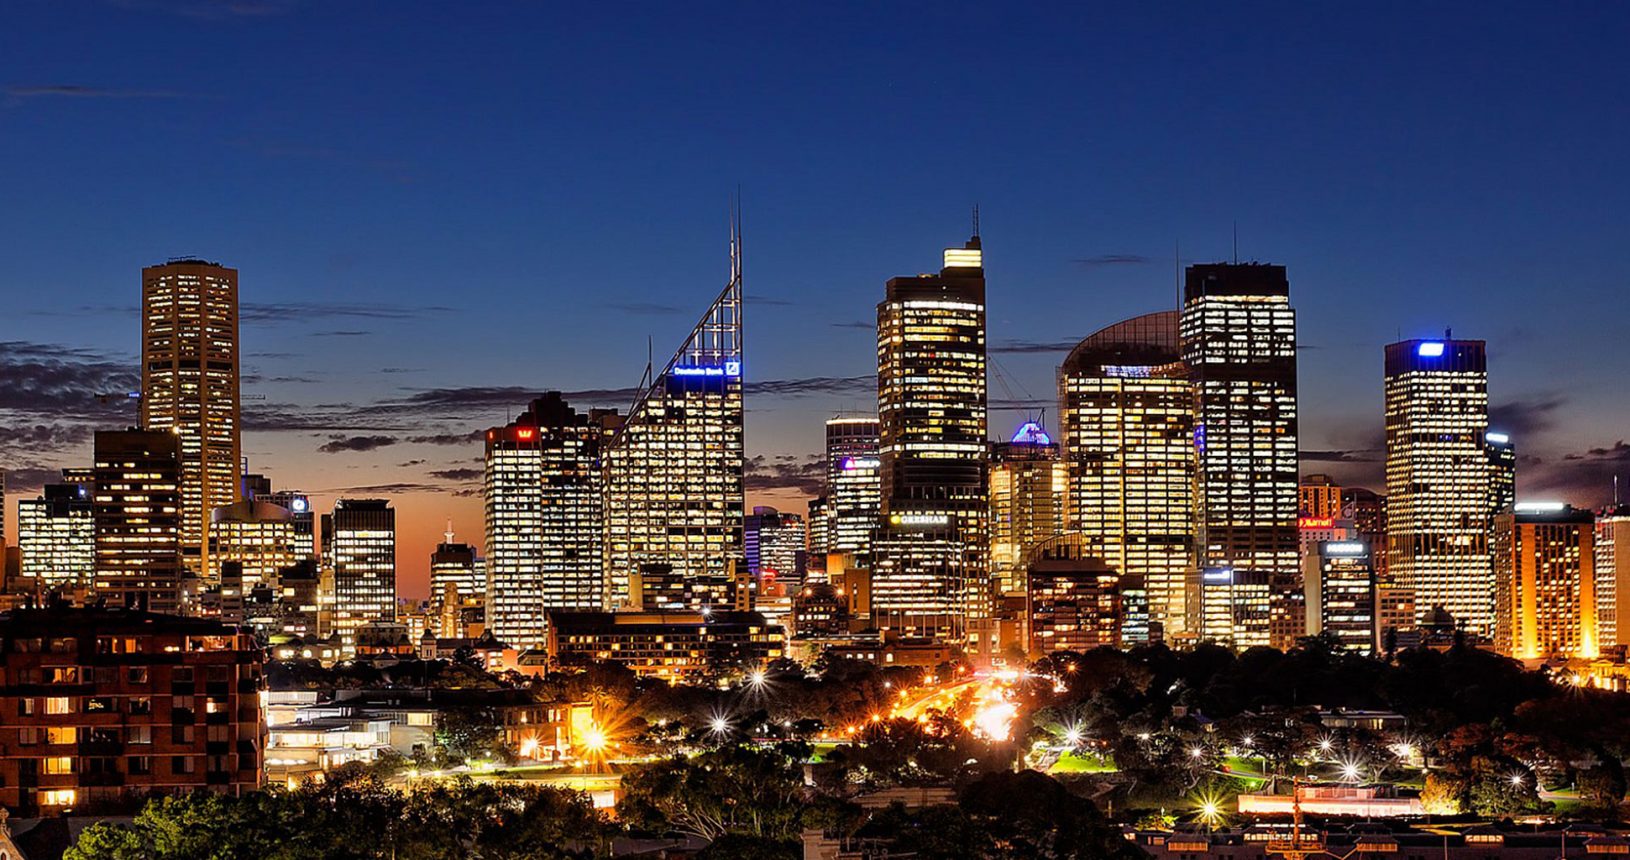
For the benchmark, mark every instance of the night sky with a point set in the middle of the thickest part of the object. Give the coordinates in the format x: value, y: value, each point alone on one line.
x: 437, y: 209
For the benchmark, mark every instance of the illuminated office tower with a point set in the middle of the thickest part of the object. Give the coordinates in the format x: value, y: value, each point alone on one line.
x: 931, y: 567
x: 56, y: 536
x: 820, y: 534
x: 854, y: 489
x: 259, y: 539
x: 1232, y: 607
x: 1545, y: 582
x: 1239, y: 341
x: 359, y: 547
x: 137, y: 515
x: 453, y: 574
x: 1502, y: 459
x: 1072, y: 600
x: 1339, y: 583
x: 1319, y: 497
x: 674, y: 493
x: 544, y: 517
x: 1438, y: 483
x: 1612, y: 546
x: 301, y: 515
x: 189, y: 386
x: 1027, y: 488
x: 1126, y: 425
x: 774, y: 544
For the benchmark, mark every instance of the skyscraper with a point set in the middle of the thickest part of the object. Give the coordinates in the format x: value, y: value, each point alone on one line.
x: 1027, y: 489
x: 1339, y: 583
x: 674, y: 490
x: 854, y: 489
x: 189, y: 377
x: 359, y: 547
x: 56, y: 534
x: 545, y: 518
x: 1319, y: 498
x: 1612, y: 546
x: 775, y: 544
x: 931, y: 565
x: 453, y: 575
x: 1545, y: 582
x: 1438, y: 478
x: 1126, y: 423
x: 259, y: 538
x: 1502, y: 457
x: 137, y: 515
x: 1239, y: 341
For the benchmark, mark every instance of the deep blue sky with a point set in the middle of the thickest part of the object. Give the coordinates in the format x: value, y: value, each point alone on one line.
x: 517, y: 194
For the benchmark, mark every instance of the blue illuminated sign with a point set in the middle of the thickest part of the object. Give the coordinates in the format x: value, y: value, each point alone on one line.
x: 1430, y: 349
x: 729, y: 368
x: 1200, y: 438
x: 1030, y: 433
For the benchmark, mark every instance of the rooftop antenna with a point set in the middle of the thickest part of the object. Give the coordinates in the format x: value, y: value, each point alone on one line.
x: 1236, y: 242
x: 449, y: 532
x: 1177, y: 270
x: 1615, y: 491
x: 976, y: 220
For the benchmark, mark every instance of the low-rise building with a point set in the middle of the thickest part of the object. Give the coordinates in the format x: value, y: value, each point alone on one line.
x: 679, y: 647
x: 97, y: 705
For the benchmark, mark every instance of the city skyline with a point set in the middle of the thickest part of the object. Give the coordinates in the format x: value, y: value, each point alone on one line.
x: 373, y: 346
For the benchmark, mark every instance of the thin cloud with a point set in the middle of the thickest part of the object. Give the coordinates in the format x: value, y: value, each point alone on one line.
x: 267, y: 313
x: 210, y: 10
x: 77, y: 91
x: 814, y: 385
x: 1027, y: 347
x: 30, y: 479
x: 757, y: 299
x: 341, y: 444
x: 644, y: 308
x: 397, y: 488
x: 447, y: 438
x: 1354, y: 456
x: 1113, y: 260
x: 342, y: 333
x: 857, y: 324
x: 807, y: 475
x: 456, y: 474
x: 1525, y: 418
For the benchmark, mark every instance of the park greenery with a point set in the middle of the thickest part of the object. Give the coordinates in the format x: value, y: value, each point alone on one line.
x: 1132, y: 737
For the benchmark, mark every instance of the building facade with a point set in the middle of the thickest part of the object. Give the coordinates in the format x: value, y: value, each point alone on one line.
x: 678, y: 647
x: 56, y: 536
x: 1028, y: 483
x: 674, y: 492
x: 1612, y: 546
x: 1127, y: 427
x: 1073, y: 600
x: 775, y: 545
x: 1233, y: 607
x: 260, y: 540
x: 931, y: 566
x: 359, y: 550
x: 854, y: 488
x: 1545, y: 582
x: 1239, y: 342
x: 189, y: 379
x: 1339, y: 582
x: 97, y: 705
x: 1438, y: 478
x: 137, y: 515
x: 545, y: 517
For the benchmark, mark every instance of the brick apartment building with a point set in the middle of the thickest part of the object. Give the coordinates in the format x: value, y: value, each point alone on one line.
x: 98, y: 706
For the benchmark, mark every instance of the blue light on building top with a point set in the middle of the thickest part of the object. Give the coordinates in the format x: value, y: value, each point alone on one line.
x: 1031, y: 433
